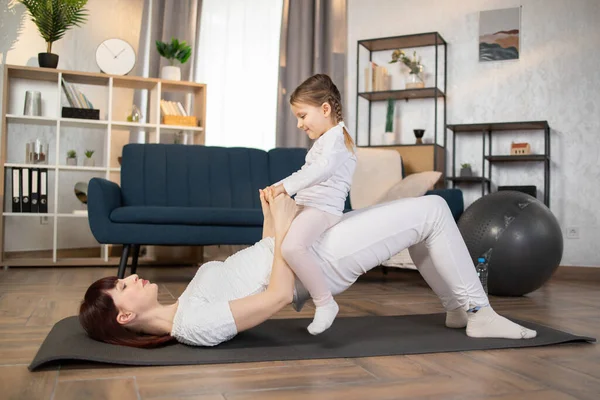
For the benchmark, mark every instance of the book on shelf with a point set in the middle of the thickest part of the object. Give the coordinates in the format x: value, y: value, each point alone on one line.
x: 174, y: 114
x: 377, y: 78
x: 29, y: 190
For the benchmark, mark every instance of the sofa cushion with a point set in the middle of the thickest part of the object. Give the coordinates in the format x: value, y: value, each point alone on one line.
x: 187, y: 216
x: 193, y: 176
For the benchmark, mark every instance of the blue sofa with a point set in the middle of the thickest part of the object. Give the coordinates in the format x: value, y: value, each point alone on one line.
x: 193, y: 195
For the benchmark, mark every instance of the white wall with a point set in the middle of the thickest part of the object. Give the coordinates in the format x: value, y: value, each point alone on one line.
x: 20, y: 43
x: 557, y: 79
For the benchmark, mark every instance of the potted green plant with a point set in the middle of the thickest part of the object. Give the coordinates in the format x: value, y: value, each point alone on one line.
x: 53, y: 19
x: 173, y: 51
x: 389, y: 136
x: 465, y: 169
x: 88, y: 161
x: 415, y: 80
x: 71, y: 157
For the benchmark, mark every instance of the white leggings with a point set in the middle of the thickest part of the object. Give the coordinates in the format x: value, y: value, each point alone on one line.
x: 307, y: 226
x: 365, y: 238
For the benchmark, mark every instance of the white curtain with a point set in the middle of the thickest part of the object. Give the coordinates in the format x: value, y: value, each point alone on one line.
x: 238, y: 58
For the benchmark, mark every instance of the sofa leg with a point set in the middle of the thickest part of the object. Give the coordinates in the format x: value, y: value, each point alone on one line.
x: 123, y: 263
x: 134, y: 257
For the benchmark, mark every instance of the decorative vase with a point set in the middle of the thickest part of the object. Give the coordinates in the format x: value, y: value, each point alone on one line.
x: 389, y: 138
x: 465, y: 172
x: 48, y: 60
x: 71, y: 160
x: 88, y: 162
x: 170, y: 73
x: 415, y: 81
x: 419, y: 135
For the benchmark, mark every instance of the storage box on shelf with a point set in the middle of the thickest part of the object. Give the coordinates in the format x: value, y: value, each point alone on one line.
x: 486, y: 131
x: 61, y: 236
x: 417, y: 157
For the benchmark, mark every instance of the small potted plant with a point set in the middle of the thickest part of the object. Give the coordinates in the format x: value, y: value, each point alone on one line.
x: 389, y: 136
x: 71, y: 157
x: 415, y: 81
x: 465, y: 169
x: 88, y: 161
x: 175, y: 50
x: 53, y: 19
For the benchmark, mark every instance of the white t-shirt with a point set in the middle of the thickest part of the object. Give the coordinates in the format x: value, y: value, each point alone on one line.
x: 324, y: 180
x: 203, y: 316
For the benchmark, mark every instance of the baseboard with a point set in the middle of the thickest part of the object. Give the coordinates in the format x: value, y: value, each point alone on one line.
x: 587, y: 274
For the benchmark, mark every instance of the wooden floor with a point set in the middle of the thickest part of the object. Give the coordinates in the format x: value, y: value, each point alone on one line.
x: 32, y: 300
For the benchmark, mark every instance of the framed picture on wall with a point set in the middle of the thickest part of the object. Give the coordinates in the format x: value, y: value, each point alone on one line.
x: 499, y: 34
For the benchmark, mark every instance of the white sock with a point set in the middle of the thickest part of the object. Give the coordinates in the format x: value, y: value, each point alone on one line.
x: 456, y: 318
x: 486, y: 323
x: 324, y: 316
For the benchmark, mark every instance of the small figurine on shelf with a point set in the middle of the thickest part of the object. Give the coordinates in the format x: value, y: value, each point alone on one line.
x: 415, y: 80
x: 519, y: 149
x: 88, y: 161
x: 71, y: 157
x: 136, y: 114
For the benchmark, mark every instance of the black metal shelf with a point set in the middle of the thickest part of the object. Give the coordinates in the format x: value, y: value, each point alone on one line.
x: 434, y: 92
x: 399, y: 42
x: 406, y: 94
x: 499, y: 126
x: 486, y: 130
x: 468, y: 179
x: 523, y: 158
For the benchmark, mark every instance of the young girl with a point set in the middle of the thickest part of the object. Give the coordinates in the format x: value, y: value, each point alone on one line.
x: 321, y: 187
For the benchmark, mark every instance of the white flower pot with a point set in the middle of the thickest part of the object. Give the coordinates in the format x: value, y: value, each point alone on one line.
x: 88, y: 162
x: 170, y: 73
x: 389, y: 138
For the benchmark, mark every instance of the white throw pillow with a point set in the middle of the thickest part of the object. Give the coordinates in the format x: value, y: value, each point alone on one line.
x: 414, y: 185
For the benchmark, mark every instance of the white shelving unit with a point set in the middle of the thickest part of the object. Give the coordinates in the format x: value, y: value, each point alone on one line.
x: 113, y: 96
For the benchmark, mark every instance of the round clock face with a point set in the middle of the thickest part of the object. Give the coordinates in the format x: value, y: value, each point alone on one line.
x: 115, y: 57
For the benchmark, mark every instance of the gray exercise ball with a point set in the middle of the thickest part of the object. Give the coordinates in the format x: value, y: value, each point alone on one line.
x: 519, y: 236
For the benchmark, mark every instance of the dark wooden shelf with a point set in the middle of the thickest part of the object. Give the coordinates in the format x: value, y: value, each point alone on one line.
x: 406, y: 94
x: 402, y: 42
x: 467, y: 179
x: 499, y: 126
x: 528, y: 157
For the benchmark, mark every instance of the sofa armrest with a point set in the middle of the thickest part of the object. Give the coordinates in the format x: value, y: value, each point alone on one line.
x: 454, y: 198
x: 103, y: 197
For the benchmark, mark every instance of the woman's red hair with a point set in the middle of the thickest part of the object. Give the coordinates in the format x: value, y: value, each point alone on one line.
x: 98, y: 316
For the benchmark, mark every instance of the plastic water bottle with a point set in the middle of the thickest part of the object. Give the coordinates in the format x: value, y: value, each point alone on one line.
x: 482, y: 272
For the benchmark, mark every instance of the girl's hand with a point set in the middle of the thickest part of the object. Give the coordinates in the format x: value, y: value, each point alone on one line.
x: 277, y: 190
x: 264, y: 205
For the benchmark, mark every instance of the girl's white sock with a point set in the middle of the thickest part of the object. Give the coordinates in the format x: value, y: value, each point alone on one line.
x: 324, y: 316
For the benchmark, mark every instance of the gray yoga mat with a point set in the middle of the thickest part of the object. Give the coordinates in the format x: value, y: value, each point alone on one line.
x: 287, y: 339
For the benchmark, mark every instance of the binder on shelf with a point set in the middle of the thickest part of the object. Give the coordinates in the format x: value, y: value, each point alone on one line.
x: 35, y: 190
x: 43, y: 185
x: 16, y: 190
x: 25, y: 190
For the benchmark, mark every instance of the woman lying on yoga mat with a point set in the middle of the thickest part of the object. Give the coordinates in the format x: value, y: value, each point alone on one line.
x: 228, y: 297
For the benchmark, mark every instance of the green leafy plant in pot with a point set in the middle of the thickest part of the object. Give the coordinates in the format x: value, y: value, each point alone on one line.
x: 465, y: 169
x: 53, y: 19
x: 174, y: 51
